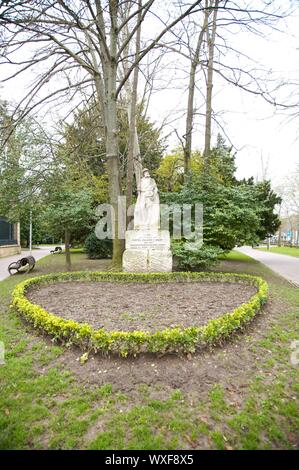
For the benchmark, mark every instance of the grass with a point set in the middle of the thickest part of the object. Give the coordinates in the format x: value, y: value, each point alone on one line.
x: 51, y: 247
x: 283, y: 250
x: 44, y: 405
x: 56, y: 263
x: 235, y: 256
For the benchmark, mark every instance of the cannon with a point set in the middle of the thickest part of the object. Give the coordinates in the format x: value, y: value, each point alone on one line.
x: 57, y: 249
x: 22, y: 266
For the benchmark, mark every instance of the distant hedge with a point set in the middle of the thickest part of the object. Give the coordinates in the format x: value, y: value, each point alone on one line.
x: 174, y: 340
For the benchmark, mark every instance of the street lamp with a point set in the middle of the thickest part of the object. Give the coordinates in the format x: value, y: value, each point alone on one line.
x: 30, y: 231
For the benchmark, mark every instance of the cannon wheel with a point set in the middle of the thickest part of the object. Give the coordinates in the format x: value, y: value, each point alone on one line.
x: 57, y: 249
x: 28, y: 263
x: 23, y: 266
x: 19, y: 268
x: 13, y: 267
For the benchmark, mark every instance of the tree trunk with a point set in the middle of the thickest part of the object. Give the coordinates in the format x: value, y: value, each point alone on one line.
x: 189, y: 121
x: 106, y: 94
x: 191, y: 89
x: 113, y: 166
x: 133, y: 150
x: 279, y: 231
x: 211, y: 48
x: 134, y: 159
x: 112, y: 135
x: 67, y: 237
x: 130, y: 163
x: 279, y: 238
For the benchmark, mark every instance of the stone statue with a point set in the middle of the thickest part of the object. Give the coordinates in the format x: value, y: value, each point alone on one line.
x: 147, y: 247
x: 147, y: 207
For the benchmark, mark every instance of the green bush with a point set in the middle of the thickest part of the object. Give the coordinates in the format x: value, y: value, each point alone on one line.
x: 190, y: 256
x: 96, y: 248
x: 174, y: 340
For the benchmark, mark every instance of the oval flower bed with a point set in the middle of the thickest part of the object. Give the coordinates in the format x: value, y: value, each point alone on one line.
x: 133, y: 342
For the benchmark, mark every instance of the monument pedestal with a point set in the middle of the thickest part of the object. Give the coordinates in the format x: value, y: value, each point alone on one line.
x: 147, y: 251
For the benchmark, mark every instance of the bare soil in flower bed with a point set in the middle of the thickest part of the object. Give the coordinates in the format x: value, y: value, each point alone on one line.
x: 140, y: 306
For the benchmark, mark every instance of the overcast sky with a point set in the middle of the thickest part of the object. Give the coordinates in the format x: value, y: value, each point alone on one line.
x: 265, y: 141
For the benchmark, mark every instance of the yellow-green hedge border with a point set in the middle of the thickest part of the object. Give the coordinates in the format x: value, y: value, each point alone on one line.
x: 133, y: 342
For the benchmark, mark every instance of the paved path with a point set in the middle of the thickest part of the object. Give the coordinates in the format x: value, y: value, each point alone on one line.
x: 286, y: 266
x: 4, y: 262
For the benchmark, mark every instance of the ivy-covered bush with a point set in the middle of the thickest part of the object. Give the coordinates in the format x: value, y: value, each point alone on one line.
x: 174, y: 340
x: 235, y: 212
x: 96, y: 248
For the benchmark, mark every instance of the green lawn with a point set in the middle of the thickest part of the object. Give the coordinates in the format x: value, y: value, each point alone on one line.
x: 283, y: 250
x: 246, y: 400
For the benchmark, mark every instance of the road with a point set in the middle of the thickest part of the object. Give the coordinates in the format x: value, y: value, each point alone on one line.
x: 286, y: 266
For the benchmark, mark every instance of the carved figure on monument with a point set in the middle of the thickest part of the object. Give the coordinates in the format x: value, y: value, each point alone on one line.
x: 147, y: 207
x: 147, y: 247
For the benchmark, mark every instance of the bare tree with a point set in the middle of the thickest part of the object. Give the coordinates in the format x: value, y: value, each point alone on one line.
x: 211, y: 35
x: 81, y: 39
x: 204, y: 42
x: 131, y: 87
x: 195, y: 61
